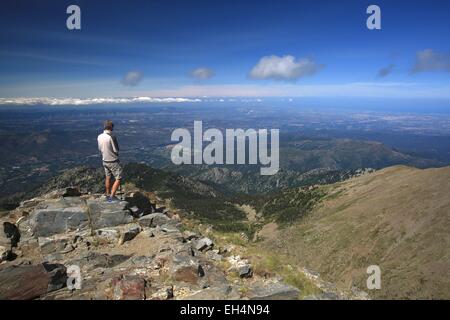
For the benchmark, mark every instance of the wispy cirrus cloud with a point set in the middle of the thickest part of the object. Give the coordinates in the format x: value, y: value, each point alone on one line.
x: 132, y: 78
x: 284, y: 68
x: 202, y: 73
x: 430, y: 60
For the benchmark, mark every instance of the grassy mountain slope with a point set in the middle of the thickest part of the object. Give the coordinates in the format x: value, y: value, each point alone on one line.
x: 397, y: 218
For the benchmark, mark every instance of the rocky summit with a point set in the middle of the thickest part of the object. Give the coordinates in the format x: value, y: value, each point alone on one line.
x: 68, y: 245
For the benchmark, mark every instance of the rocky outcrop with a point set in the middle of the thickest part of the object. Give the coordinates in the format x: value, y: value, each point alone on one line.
x: 103, y: 214
x: 31, y: 281
x: 140, y: 205
x: 47, y: 222
x: 122, y: 250
x: 9, y: 238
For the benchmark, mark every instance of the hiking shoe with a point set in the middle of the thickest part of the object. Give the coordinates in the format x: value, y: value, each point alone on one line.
x: 112, y: 199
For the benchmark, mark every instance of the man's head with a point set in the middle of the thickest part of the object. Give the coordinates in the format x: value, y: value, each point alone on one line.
x: 108, y: 125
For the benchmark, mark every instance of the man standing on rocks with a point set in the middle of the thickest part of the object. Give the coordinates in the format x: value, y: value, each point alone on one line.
x: 109, y: 148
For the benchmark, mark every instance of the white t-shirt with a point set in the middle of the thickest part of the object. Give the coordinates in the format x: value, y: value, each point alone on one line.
x: 108, y: 146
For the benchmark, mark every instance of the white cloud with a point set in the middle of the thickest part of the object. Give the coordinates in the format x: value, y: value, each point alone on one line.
x: 429, y: 60
x: 202, y: 73
x: 132, y: 78
x: 284, y: 68
x: 90, y: 101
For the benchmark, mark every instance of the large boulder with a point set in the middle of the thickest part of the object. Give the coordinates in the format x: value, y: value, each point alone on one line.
x: 141, y: 203
x: 154, y: 219
x: 26, y: 282
x: 104, y: 214
x: 9, y: 235
x: 50, y: 221
x: 129, y: 232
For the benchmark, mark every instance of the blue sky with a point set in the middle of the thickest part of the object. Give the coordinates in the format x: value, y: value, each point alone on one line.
x: 225, y: 49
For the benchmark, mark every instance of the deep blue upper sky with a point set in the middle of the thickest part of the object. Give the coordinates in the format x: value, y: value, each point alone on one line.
x: 162, y: 43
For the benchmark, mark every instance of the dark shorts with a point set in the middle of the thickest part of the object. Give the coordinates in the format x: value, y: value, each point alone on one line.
x: 113, y: 169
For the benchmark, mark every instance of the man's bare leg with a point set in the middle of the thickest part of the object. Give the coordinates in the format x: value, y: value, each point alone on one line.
x: 115, y: 187
x: 108, y: 186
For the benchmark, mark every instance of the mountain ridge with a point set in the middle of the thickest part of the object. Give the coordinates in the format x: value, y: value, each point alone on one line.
x: 397, y: 218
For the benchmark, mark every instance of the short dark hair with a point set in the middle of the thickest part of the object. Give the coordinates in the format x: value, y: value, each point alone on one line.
x: 108, y: 125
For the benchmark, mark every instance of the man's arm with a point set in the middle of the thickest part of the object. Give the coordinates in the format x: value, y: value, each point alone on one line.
x: 115, y: 144
x: 98, y: 146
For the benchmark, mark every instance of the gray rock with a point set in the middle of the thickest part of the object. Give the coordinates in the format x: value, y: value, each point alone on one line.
x: 129, y: 233
x: 57, y: 276
x: 245, y: 271
x: 154, y: 219
x: 204, y: 244
x: 135, y: 212
x: 110, y: 235
x: 47, y: 222
x: 214, y: 277
x: 186, y: 268
x: 184, y: 249
x: 104, y: 214
x: 50, y: 245
x: 141, y: 203
x: 272, y: 291
x: 9, y: 235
